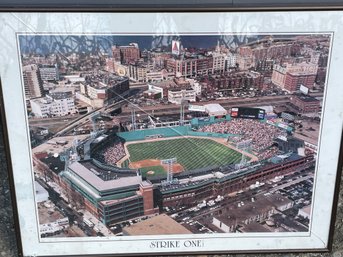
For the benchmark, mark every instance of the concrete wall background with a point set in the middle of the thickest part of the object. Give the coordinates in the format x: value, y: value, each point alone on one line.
x: 8, y: 245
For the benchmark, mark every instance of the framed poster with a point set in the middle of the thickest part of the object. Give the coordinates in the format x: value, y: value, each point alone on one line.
x: 156, y: 133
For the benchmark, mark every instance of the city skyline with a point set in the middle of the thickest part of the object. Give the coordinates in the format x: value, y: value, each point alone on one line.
x: 48, y: 44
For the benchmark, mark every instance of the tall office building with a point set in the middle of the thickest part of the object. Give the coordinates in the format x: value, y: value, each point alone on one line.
x: 126, y: 54
x: 33, y: 83
x: 48, y: 72
x: 292, y: 76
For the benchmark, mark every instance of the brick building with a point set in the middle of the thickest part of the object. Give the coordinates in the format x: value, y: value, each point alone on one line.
x: 305, y: 104
x: 275, y: 51
x: 291, y: 76
x: 236, y: 81
x: 126, y: 54
x: 190, y: 66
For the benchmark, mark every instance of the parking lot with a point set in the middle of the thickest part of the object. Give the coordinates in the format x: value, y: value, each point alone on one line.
x: 297, y: 187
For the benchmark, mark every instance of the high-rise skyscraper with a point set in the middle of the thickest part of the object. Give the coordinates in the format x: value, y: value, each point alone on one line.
x: 33, y: 83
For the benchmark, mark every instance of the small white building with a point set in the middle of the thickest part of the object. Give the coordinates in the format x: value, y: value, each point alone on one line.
x: 153, y: 92
x: 74, y: 78
x: 153, y: 76
x: 177, y: 95
x: 195, y: 85
x: 227, y: 224
x: 54, y: 104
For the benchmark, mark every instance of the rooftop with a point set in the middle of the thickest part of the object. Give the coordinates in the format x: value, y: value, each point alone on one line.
x: 289, y: 223
x: 178, y: 89
x: 107, y: 172
x: 278, y: 200
x: 238, y: 212
x: 47, y: 66
x: 99, y: 184
x: 165, y: 84
x: 214, y: 108
x: 306, y: 209
x: 61, y: 95
x: 254, y: 227
x: 158, y: 225
x: 54, y: 163
x: 307, y: 98
x: 53, y: 147
x: 103, y: 80
x: 98, y: 85
x: 152, y: 91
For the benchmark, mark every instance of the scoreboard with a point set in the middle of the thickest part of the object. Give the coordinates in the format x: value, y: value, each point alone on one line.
x: 247, y: 113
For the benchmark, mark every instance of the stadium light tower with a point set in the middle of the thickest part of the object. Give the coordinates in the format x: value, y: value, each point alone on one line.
x: 133, y: 108
x: 133, y: 118
x: 184, y: 103
x: 75, y: 145
x: 92, y: 119
x: 182, y: 114
x: 170, y: 163
x: 152, y: 121
x: 245, y: 147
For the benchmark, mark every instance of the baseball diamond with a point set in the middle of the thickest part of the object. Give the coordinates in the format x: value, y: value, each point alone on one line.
x: 152, y: 170
x: 191, y: 153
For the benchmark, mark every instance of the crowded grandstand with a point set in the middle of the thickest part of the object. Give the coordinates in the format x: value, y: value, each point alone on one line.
x: 261, y: 134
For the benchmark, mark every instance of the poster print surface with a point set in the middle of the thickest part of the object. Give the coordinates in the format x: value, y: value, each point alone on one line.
x: 162, y: 135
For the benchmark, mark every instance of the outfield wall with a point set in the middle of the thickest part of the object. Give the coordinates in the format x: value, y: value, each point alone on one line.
x: 168, y: 132
x: 165, y: 132
x: 209, y: 134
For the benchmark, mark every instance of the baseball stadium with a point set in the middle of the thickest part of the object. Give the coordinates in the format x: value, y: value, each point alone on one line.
x: 204, y: 143
x: 138, y: 172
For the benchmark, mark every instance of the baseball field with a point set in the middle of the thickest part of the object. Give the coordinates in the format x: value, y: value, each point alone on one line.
x: 191, y: 153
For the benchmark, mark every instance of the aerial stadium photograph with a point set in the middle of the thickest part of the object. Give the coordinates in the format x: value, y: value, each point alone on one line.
x: 173, y: 134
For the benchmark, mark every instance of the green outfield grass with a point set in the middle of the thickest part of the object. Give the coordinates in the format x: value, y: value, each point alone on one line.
x: 191, y: 153
x: 157, y: 169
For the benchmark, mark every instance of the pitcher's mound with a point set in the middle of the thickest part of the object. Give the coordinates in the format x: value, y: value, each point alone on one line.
x: 150, y: 172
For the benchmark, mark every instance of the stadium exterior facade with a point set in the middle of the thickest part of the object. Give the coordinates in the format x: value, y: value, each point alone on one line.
x: 111, y: 199
x: 224, y: 181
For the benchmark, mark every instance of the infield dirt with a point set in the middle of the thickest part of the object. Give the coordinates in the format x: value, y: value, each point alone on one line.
x: 177, y: 168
